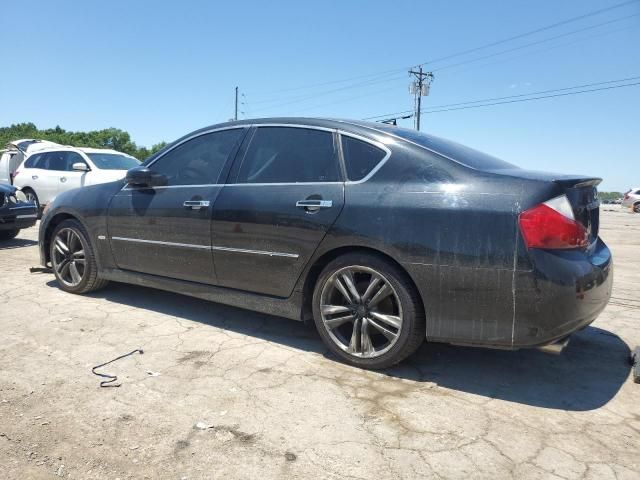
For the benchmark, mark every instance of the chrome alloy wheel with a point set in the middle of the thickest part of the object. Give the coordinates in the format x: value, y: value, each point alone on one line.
x: 31, y: 197
x: 68, y: 258
x: 361, y: 311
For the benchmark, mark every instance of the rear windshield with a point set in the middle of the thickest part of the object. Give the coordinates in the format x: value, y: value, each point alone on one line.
x: 465, y: 155
x: 113, y: 161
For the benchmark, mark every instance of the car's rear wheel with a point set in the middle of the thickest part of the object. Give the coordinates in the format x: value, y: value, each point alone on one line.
x: 368, y: 311
x: 9, y: 234
x: 73, y: 259
x: 636, y: 207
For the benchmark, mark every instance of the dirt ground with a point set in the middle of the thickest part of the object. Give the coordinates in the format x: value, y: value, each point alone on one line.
x: 224, y: 393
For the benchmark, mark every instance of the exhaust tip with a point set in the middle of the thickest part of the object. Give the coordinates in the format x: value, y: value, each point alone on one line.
x: 555, y: 348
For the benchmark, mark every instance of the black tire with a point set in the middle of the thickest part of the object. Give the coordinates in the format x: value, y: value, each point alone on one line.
x: 31, y: 195
x: 413, y: 327
x: 636, y: 207
x: 90, y: 281
x: 9, y: 234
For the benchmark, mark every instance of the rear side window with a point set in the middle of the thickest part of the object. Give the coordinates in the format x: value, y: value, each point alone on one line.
x: 290, y: 155
x: 360, y: 157
x: 198, y: 161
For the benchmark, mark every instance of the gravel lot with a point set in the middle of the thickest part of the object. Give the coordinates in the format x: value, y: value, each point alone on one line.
x: 224, y: 393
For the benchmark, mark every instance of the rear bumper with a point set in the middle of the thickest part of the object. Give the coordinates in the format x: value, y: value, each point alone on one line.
x: 561, y: 292
x: 565, y: 292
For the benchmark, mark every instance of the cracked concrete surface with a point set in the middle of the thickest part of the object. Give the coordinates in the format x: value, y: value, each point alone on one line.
x: 272, y: 403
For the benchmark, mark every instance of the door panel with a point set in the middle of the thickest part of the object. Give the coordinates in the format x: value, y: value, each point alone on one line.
x: 152, y: 231
x: 262, y: 240
x: 287, y: 192
x: 167, y: 230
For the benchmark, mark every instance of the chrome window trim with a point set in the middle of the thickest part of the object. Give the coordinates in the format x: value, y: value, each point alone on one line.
x: 339, y: 131
x: 207, y: 247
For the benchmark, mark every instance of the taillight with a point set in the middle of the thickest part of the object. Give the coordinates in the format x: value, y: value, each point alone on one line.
x: 551, y: 225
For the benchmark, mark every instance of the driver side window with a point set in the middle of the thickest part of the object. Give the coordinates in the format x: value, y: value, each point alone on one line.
x: 198, y: 161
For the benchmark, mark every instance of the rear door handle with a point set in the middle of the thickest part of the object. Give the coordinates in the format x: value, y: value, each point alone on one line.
x: 313, y: 205
x: 63, y: 179
x: 34, y: 177
x: 196, y: 204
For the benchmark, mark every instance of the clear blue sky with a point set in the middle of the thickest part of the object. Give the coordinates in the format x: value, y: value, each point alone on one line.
x: 159, y: 69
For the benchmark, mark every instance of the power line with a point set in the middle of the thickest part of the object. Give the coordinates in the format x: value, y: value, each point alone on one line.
x: 306, y: 97
x: 504, y: 100
x: 537, y: 42
x: 532, y: 32
x: 537, y: 93
x: 552, y: 47
x: 376, y: 92
x: 536, y: 98
x: 375, y: 75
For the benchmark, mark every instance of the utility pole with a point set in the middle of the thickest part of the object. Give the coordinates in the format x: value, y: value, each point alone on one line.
x: 419, y: 88
x: 235, y: 115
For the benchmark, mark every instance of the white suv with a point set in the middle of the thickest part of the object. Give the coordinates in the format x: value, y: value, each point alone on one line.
x: 47, y: 173
x: 632, y: 199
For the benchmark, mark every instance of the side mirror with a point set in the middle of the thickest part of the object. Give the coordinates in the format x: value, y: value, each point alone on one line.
x: 80, y: 167
x: 144, y: 177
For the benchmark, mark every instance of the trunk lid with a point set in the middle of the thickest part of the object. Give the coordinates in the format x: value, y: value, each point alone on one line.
x: 581, y: 191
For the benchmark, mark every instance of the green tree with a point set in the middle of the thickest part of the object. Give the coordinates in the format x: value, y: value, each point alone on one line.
x: 114, y: 138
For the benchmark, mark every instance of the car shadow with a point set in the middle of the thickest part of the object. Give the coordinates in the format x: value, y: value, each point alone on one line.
x: 16, y: 243
x: 586, y: 376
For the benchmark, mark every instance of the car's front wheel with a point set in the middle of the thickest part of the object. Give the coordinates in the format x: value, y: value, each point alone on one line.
x: 368, y: 311
x: 73, y: 259
x: 32, y: 197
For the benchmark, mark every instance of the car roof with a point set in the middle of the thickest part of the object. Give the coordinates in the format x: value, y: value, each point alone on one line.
x: 69, y: 148
x: 333, y: 123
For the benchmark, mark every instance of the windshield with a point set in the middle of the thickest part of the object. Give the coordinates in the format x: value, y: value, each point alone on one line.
x: 113, y: 161
x: 465, y: 155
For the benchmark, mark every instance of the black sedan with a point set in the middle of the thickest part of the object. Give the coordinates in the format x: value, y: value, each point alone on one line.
x: 16, y: 212
x: 383, y: 236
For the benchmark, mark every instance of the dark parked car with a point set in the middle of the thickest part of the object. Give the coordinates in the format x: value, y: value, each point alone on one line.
x: 383, y: 236
x: 16, y: 212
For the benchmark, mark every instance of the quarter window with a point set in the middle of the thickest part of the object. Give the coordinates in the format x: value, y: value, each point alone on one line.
x: 360, y: 157
x: 290, y: 155
x: 32, y: 161
x: 199, y: 160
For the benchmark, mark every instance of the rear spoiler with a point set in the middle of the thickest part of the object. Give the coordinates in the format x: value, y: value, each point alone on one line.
x: 577, y: 182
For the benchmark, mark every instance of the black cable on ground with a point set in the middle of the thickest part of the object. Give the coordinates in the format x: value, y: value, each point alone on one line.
x: 112, y: 378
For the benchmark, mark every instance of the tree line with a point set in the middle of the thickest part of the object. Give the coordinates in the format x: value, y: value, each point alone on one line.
x: 113, y: 138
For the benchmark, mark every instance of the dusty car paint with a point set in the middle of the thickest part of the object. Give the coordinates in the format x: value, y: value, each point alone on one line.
x: 454, y: 230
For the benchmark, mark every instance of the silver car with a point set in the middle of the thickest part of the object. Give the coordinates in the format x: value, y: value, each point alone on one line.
x: 632, y: 200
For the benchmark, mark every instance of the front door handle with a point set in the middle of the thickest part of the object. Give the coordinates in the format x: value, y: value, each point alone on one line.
x: 34, y: 177
x: 313, y: 205
x: 196, y: 204
x: 63, y: 179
